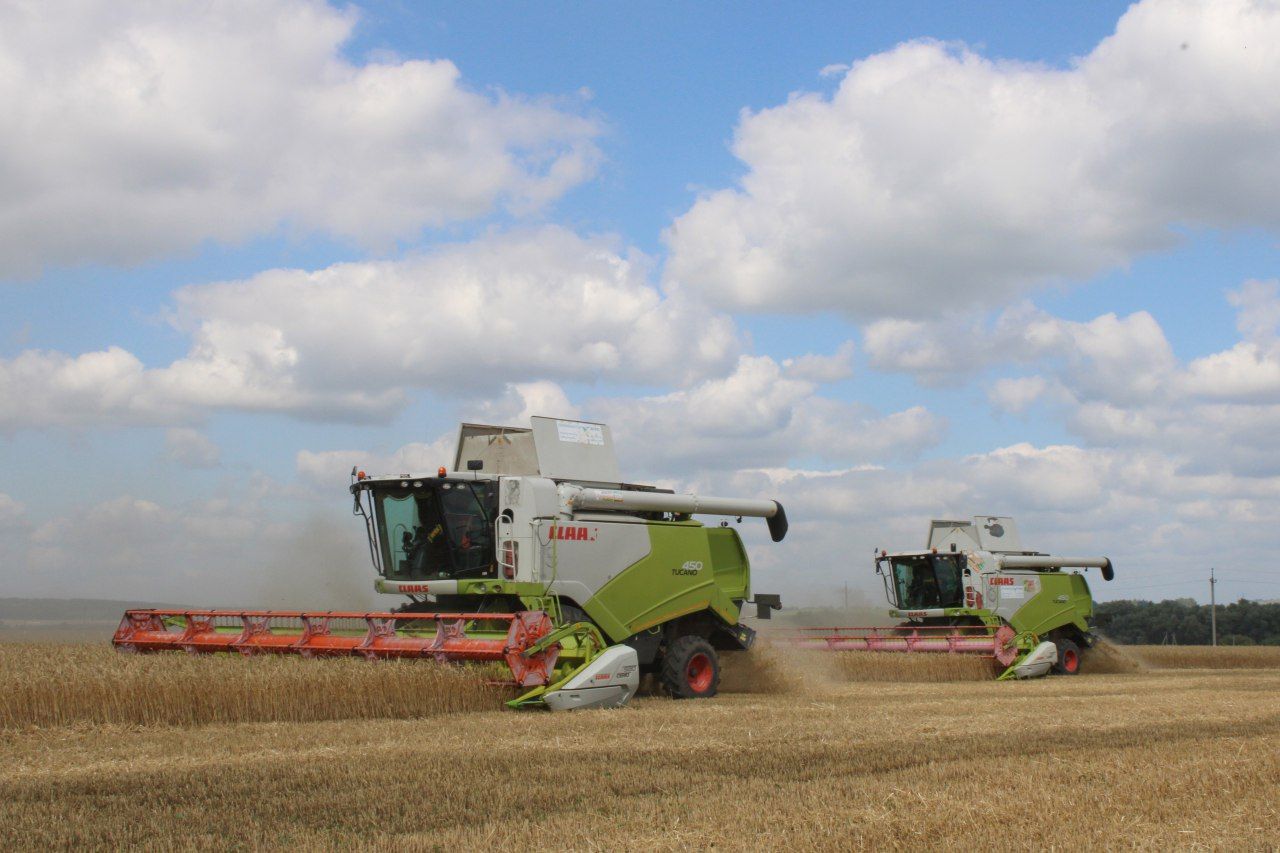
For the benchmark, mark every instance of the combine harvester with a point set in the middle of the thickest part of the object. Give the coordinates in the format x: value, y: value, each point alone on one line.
x: 530, y: 554
x: 974, y: 590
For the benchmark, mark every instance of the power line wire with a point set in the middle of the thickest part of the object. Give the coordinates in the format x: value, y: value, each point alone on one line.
x: 1196, y: 574
x: 1150, y: 585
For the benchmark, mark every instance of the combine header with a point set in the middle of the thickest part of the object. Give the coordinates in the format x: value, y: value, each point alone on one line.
x: 530, y: 554
x: 974, y: 590
x: 941, y: 639
x: 529, y: 647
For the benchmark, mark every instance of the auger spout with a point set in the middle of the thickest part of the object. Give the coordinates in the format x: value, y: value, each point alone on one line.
x: 616, y: 499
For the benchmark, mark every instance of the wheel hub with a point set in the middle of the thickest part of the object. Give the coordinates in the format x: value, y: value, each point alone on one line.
x: 699, y: 672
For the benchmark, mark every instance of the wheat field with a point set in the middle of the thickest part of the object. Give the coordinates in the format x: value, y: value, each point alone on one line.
x: 806, y: 759
x: 1207, y: 657
x: 49, y: 684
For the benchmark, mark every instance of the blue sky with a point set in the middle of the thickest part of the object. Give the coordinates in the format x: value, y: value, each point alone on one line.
x: 882, y: 262
x: 669, y: 80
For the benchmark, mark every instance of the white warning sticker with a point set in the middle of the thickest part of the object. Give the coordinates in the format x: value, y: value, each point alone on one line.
x: 1012, y: 592
x: 575, y: 432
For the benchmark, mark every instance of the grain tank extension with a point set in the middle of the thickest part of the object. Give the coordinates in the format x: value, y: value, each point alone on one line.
x: 530, y: 552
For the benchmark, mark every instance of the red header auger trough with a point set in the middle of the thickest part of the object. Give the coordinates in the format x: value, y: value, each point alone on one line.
x: 967, y: 640
x: 318, y: 634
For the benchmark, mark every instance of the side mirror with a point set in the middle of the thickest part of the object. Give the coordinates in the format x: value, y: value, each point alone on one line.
x: 766, y: 604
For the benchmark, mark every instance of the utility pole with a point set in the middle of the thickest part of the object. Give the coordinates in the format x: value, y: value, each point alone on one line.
x: 846, y: 595
x: 1213, y: 606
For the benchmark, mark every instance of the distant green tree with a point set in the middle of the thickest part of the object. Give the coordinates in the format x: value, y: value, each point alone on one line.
x: 1185, y: 622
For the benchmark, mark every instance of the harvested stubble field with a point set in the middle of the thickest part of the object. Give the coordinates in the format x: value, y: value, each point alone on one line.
x: 1150, y: 758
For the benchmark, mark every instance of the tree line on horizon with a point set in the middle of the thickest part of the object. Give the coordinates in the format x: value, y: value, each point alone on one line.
x: 1181, y: 621
x: 1184, y: 621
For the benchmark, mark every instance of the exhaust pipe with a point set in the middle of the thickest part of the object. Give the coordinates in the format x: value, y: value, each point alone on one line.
x: 613, y: 499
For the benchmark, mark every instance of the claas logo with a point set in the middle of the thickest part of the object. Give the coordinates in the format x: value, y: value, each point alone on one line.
x: 573, y: 533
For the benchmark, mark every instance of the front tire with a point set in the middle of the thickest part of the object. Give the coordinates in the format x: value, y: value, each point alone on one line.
x: 1068, y: 658
x: 690, y: 669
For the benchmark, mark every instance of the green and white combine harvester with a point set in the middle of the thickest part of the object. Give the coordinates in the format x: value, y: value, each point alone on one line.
x: 530, y: 553
x: 975, y: 590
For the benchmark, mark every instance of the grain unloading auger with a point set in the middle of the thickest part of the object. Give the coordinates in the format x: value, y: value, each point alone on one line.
x: 974, y: 590
x: 530, y: 554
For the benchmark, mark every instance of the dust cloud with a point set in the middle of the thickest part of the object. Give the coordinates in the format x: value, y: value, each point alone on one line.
x: 769, y: 669
x: 1105, y: 657
x: 325, y: 566
x: 772, y: 668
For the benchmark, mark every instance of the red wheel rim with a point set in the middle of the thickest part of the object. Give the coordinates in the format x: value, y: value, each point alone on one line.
x: 698, y: 672
x: 1070, y: 660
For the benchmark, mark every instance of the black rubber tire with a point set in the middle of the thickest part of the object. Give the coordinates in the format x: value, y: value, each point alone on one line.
x: 1068, y: 657
x: 684, y: 670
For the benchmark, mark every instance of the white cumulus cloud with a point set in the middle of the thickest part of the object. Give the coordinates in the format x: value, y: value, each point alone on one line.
x: 813, y: 367
x: 935, y: 179
x: 11, y: 511
x: 1157, y: 520
x: 349, y: 342
x: 191, y: 448
x: 524, y: 400
x: 1115, y: 382
x: 757, y: 416
x: 1108, y: 357
x: 1015, y: 394
x: 331, y: 469
x: 1250, y: 370
x: 135, y: 130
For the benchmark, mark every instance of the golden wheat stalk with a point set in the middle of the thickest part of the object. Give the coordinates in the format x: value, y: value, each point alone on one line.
x: 48, y: 685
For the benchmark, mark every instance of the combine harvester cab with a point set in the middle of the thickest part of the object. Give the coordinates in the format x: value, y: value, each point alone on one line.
x: 975, y: 590
x: 532, y: 553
